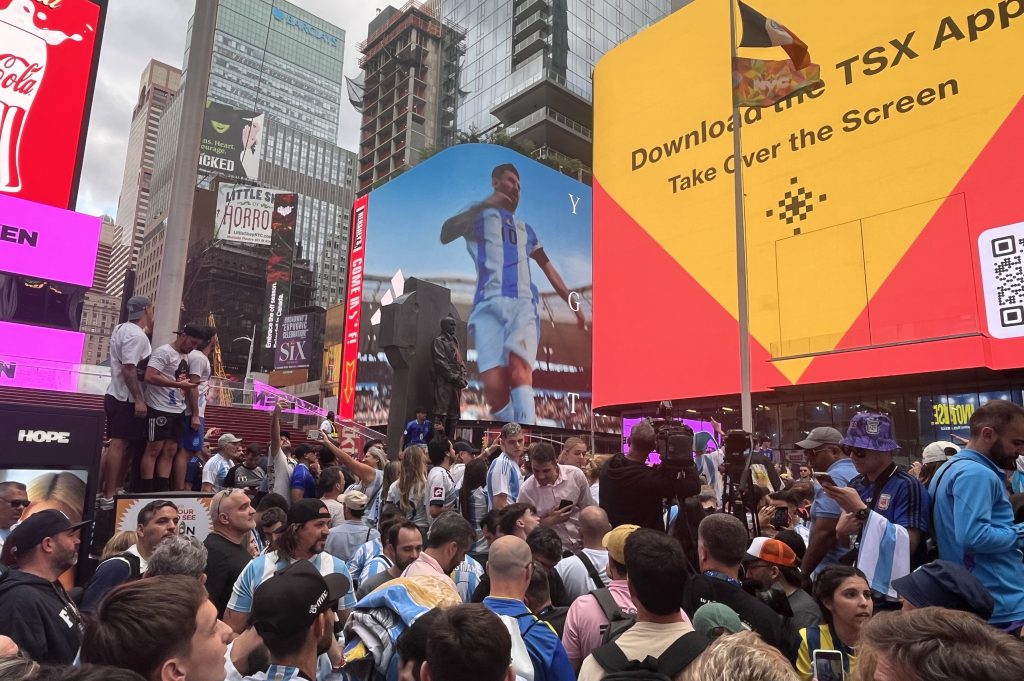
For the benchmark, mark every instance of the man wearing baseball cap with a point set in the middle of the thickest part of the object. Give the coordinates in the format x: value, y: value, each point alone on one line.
x: 344, y: 539
x: 302, y: 539
x: 881, y: 486
x: 124, y: 402
x: 35, y: 611
x: 825, y: 454
x: 215, y: 471
x: 773, y: 564
x: 293, y: 612
x: 167, y: 385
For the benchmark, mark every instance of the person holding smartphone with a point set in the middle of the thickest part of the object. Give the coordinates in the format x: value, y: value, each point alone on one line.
x: 831, y: 466
x: 843, y: 594
x: 558, y: 492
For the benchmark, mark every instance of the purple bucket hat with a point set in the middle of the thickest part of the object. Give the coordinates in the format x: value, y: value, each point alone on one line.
x: 870, y: 431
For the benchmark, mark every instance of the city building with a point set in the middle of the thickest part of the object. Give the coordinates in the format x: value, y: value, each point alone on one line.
x: 409, y: 89
x: 157, y: 87
x: 101, y: 275
x: 529, y: 63
x: 100, y: 314
x: 276, y: 58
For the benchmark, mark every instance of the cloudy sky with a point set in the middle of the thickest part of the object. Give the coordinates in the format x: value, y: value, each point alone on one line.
x: 140, y: 30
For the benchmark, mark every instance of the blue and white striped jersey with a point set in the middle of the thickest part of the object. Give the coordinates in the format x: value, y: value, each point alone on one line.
x: 261, y: 568
x: 503, y: 477
x: 501, y: 247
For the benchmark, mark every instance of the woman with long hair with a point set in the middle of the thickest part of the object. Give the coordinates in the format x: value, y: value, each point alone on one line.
x: 473, y: 501
x: 410, y: 489
x: 844, y: 597
x: 574, y: 453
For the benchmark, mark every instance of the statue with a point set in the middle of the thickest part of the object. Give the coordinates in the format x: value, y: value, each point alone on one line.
x: 449, y: 376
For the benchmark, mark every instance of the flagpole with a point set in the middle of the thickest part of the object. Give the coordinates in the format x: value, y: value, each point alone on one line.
x: 746, y: 402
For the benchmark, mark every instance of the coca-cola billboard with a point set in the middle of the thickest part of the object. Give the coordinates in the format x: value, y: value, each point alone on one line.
x: 48, y: 57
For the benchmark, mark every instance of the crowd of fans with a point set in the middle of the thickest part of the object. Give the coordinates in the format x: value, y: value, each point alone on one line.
x: 445, y: 562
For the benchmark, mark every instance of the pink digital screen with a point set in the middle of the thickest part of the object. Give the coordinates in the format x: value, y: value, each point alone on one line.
x: 49, y: 243
x: 38, y: 357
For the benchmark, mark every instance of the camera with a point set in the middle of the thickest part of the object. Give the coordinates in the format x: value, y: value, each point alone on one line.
x: 673, y: 440
x: 737, y: 444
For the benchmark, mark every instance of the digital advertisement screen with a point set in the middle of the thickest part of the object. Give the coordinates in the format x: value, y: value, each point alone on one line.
x: 511, y: 239
x: 883, y: 224
x: 47, y: 69
x: 39, y: 357
x: 48, y: 243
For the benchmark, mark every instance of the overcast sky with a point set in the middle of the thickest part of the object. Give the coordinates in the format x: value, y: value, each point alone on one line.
x: 139, y: 30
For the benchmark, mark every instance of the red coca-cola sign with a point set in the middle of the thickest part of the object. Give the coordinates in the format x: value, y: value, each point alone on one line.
x: 48, y: 57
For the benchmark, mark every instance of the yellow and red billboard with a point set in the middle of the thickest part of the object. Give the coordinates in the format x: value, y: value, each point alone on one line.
x: 883, y: 215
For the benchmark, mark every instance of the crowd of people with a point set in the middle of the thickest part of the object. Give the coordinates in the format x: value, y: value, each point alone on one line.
x: 444, y: 561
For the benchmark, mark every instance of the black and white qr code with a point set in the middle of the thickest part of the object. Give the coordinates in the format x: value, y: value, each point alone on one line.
x: 1001, y: 252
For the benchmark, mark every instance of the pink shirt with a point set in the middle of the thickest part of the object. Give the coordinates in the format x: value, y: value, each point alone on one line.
x: 571, y: 484
x: 585, y: 622
x: 425, y: 565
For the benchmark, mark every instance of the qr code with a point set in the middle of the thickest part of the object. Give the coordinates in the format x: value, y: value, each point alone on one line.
x: 1001, y: 252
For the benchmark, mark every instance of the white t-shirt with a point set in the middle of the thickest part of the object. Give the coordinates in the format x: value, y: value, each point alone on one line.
x: 441, y: 490
x: 337, y: 510
x: 199, y: 365
x: 577, y: 578
x: 128, y: 345
x: 328, y: 427
x: 174, y: 366
x: 215, y: 470
x: 279, y: 474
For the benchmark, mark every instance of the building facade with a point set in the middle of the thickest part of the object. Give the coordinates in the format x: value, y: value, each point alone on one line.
x: 409, y: 89
x: 101, y: 274
x: 157, y: 88
x: 100, y: 314
x: 529, y: 63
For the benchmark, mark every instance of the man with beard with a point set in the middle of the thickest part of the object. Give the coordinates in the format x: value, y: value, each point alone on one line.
x: 973, y: 517
x: 302, y: 539
x: 157, y: 522
x: 402, y: 546
x: 35, y: 611
x: 293, y: 613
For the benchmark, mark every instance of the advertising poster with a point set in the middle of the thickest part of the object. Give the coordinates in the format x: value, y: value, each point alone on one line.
x: 941, y: 417
x: 245, y: 214
x: 40, y: 357
x: 193, y: 513
x: 48, y: 243
x: 294, y: 342
x: 48, y: 57
x: 279, y: 271
x: 511, y: 239
x: 905, y: 161
x: 232, y: 142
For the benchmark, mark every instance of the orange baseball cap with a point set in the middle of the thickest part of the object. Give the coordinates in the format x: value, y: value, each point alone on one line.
x: 772, y: 551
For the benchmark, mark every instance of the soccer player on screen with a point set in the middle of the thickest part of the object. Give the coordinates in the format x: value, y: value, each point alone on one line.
x: 504, y: 321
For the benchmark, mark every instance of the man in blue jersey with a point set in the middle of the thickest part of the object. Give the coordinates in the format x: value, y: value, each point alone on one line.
x: 504, y: 322
x: 419, y: 430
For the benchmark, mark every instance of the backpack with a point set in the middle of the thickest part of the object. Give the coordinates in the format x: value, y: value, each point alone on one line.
x: 664, y: 668
x: 522, y: 663
x: 618, y: 620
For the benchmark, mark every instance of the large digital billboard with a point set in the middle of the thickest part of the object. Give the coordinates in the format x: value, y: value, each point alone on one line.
x: 48, y: 57
x: 232, y: 142
x: 39, y: 357
x: 884, y: 227
x: 48, y: 243
x: 511, y: 239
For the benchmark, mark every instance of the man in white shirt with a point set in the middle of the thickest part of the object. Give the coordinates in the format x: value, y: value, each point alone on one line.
x: 124, y: 402
x: 167, y: 384
x: 193, y: 428
x: 558, y: 493
x: 504, y: 477
x: 587, y: 569
x: 216, y: 469
x: 442, y: 494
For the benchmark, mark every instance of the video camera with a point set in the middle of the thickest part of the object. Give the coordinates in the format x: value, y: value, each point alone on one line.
x: 737, y: 444
x: 673, y: 440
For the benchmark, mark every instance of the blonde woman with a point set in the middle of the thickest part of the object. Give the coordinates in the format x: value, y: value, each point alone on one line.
x: 574, y: 453
x: 120, y: 542
x: 409, y: 490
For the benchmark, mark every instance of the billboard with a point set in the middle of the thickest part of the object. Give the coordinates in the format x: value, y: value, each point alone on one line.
x: 48, y: 243
x: 278, y: 293
x: 882, y: 221
x: 232, y: 142
x: 39, y: 357
x: 48, y: 57
x: 511, y: 239
x: 245, y: 214
x: 294, y: 342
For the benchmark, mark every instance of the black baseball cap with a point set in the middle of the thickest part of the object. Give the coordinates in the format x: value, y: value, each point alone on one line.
x: 463, y: 446
x: 195, y: 331
x: 31, y: 531
x: 294, y: 597
x: 304, y: 510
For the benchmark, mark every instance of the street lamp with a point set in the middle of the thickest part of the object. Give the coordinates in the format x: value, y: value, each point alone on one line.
x: 247, y: 385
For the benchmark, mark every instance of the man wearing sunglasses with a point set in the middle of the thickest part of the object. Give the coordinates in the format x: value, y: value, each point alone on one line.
x: 13, y: 500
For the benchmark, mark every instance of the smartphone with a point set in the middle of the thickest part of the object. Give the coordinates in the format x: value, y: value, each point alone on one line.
x: 824, y: 479
x: 781, y: 518
x: 564, y: 503
x: 828, y: 665
x: 313, y: 435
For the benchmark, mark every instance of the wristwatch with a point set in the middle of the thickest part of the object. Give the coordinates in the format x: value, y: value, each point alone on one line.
x: 862, y: 514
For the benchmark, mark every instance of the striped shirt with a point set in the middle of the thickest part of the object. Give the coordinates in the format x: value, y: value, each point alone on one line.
x: 362, y: 556
x: 261, y: 568
x: 501, y: 247
x: 503, y: 477
x: 467, y: 578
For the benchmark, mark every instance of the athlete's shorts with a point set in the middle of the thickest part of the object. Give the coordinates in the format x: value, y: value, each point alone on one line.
x: 192, y: 440
x: 121, y: 421
x: 162, y: 425
x: 500, y: 326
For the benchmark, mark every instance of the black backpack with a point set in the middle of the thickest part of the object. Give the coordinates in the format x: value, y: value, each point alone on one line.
x: 664, y: 668
x: 618, y: 621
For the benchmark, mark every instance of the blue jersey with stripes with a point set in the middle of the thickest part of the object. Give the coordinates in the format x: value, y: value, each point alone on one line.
x: 501, y: 246
x: 503, y: 477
